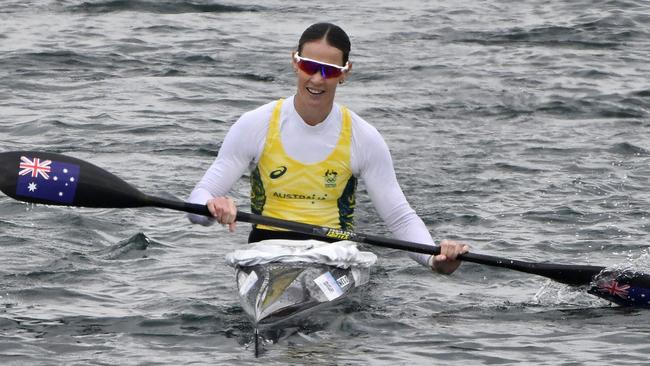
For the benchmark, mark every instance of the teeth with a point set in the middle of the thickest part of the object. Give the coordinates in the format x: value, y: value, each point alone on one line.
x: 314, y: 91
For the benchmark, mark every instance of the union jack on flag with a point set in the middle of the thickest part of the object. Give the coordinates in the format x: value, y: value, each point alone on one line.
x: 613, y: 288
x: 35, y: 167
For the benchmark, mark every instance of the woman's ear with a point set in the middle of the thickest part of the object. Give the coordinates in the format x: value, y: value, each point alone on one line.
x: 345, y: 74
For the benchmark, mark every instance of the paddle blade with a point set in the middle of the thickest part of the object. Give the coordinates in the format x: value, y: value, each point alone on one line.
x: 55, y: 179
x: 625, y: 288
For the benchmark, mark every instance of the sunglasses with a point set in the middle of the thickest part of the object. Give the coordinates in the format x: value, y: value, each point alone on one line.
x: 326, y: 70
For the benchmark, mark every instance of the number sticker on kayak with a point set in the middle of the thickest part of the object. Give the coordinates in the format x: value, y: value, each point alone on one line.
x: 329, y: 286
x: 343, y: 281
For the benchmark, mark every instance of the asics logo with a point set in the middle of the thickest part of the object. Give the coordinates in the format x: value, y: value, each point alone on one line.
x: 278, y: 172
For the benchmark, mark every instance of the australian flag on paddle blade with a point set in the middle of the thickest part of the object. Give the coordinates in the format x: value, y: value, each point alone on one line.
x: 49, y: 180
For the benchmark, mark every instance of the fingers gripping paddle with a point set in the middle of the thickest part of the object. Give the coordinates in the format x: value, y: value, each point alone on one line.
x: 56, y: 179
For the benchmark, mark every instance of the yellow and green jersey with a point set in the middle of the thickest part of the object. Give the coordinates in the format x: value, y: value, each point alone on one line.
x: 320, y: 193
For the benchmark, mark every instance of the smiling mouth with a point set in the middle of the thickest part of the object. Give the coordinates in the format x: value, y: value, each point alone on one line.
x: 315, y: 91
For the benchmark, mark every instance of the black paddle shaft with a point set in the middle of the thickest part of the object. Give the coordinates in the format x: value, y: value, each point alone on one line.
x: 568, y: 274
x: 96, y: 187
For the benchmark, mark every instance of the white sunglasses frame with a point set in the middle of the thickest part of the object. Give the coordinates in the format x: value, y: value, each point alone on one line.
x: 343, y: 69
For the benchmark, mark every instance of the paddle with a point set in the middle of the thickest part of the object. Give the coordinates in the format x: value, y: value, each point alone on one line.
x: 55, y: 179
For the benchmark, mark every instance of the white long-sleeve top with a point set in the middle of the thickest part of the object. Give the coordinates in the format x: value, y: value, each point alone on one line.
x: 370, y: 161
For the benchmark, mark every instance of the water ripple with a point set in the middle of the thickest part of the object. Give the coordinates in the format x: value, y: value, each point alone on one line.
x: 158, y: 7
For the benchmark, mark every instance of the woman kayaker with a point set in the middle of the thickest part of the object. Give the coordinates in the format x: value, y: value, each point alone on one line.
x: 307, y: 152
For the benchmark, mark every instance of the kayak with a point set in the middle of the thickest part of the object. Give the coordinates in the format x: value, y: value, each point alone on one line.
x: 280, y: 281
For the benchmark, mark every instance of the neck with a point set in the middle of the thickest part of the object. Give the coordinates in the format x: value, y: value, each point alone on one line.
x: 311, y: 116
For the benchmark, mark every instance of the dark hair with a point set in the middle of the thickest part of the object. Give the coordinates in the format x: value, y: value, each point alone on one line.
x: 333, y: 35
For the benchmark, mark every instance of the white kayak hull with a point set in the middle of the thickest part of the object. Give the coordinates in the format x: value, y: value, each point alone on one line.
x: 281, y: 292
x: 288, y: 281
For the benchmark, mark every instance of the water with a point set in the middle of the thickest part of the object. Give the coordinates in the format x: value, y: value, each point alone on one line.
x: 519, y: 127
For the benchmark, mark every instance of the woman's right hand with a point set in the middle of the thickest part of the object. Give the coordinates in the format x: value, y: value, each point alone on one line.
x: 223, y: 209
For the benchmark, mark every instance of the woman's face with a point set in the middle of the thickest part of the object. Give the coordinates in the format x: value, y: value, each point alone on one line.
x: 314, y: 91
